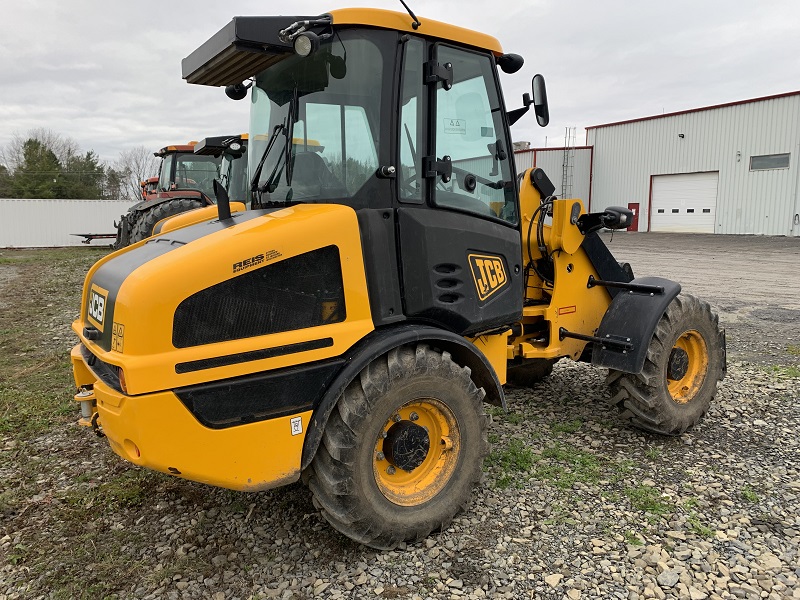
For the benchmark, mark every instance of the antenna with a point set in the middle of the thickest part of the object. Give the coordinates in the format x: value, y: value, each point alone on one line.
x: 415, y: 25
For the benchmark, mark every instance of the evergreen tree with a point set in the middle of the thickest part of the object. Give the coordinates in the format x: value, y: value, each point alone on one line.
x: 5, y: 182
x: 38, y: 173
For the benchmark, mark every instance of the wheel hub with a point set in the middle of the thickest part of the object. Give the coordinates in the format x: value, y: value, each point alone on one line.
x: 406, y: 445
x: 678, y: 364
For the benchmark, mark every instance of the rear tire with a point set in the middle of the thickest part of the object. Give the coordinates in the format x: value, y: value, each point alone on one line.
x: 381, y: 487
x: 685, y: 360
x: 149, y: 218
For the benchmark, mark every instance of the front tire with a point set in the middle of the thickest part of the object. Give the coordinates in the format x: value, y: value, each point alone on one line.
x: 685, y: 360
x: 149, y: 218
x: 402, y: 449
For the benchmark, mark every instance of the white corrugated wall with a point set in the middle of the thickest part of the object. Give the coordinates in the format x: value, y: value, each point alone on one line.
x: 628, y: 155
x: 552, y: 161
x: 49, y: 223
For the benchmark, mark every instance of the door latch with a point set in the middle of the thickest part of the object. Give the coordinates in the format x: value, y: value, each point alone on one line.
x: 432, y: 167
x: 434, y: 72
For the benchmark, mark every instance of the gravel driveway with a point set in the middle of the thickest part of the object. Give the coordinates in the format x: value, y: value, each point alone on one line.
x: 574, y: 505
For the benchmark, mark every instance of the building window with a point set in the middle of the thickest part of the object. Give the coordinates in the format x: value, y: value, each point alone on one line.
x: 769, y: 161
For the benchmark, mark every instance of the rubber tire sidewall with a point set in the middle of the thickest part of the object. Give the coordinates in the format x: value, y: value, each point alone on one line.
x: 682, y: 416
x: 430, y: 514
x: 149, y: 218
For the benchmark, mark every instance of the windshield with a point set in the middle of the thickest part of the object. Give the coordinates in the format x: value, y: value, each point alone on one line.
x: 196, y: 172
x: 324, y: 111
x: 233, y: 177
x: 188, y: 171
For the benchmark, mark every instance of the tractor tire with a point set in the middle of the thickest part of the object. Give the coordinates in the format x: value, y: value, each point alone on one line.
x: 149, y: 218
x: 529, y: 373
x: 125, y: 227
x: 685, y: 360
x: 402, y: 450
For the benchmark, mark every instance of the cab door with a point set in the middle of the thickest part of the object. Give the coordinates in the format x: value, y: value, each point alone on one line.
x: 458, y: 223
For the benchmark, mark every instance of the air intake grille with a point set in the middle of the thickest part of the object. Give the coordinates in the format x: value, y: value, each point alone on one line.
x: 296, y: 293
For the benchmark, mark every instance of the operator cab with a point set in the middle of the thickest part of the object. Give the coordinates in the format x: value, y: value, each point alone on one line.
x: 421, y: 160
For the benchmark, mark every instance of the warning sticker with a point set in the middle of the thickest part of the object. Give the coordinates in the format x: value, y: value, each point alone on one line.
x: 457, y: 126
x: 297, y: 425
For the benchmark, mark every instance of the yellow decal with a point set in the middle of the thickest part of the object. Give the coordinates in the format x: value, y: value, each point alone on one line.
x: 489, y: 274
x: 567, y: 310
x: 117, y: 336
x: 96, y: 310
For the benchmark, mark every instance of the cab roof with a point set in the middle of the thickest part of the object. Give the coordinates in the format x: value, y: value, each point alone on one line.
x: 248, y: 45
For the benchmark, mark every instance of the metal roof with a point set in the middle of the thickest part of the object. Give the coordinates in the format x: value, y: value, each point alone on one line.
x: 694, y: 110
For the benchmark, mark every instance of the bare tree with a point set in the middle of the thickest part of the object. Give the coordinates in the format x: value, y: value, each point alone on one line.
x: 134, y: 166
x: 64, y: 148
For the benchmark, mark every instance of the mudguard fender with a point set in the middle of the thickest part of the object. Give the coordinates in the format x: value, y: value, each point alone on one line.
x: 381, y: 341
x: 148, y: 204
x: 632, y: 317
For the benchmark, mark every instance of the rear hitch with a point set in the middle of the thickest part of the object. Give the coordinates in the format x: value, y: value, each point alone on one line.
x: 89, y: 416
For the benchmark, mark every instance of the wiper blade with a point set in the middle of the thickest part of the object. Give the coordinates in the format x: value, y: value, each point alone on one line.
x: 257, y: 172
x: 287, y: 127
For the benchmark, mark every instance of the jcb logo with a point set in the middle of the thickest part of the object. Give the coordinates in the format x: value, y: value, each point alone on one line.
x: 489, y: 274
x: 96, y: 312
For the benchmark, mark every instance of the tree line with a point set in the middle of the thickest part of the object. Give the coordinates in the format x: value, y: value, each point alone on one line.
x: 44, y: 164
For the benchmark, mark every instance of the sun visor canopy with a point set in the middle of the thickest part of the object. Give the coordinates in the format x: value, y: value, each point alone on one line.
x: 244, y: 47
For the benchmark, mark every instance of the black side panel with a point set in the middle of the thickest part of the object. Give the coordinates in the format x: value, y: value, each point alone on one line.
x: 633, y: 317
x: 460, y: 271
x: 258, y: 397
x: 380, y: 262
x: 607, y: 267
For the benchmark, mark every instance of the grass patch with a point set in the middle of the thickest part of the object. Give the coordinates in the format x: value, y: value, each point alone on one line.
x: 632, y: 539
x: 564, y: 465
x: 749, y: 494
x: 784, y: 372
x: 653, y: 453
x: 509, y: 462
x: 567, y: 427
x: 793, y: 349
x: 36, y: 384
x: 699, y: 528
x: 647, y: 499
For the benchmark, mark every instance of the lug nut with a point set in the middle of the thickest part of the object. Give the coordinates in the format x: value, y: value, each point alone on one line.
x: 390, y: 470
x: 379, y: 456
x: 413, y: 416
x: 384, y: 434
x: 396, y: 418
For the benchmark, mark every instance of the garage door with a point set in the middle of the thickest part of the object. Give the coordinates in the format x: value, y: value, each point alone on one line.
x: 685, y: 202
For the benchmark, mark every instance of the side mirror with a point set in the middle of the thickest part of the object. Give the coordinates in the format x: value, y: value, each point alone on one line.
x: 237, y: 91
x: 540, y: 100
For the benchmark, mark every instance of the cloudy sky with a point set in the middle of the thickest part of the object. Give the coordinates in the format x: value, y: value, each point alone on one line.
x: 108, y: 74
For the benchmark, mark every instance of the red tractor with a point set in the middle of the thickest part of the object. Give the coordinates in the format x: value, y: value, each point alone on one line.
x: 185, y: 182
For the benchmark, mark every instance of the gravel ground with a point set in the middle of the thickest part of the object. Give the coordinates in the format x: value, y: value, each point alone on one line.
x: 574, y: 504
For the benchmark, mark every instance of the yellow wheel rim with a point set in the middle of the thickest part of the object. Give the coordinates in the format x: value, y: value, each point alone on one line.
x: 420, y: 483
x: 691, y: 354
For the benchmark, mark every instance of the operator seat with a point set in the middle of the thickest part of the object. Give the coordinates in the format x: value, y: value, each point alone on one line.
x: 311, y: 178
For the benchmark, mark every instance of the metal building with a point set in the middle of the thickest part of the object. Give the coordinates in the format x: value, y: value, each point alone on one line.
x: 729, y: 168
x: 572, y: 172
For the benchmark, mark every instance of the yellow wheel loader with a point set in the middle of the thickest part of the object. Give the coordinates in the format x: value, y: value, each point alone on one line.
x: 395, y: 274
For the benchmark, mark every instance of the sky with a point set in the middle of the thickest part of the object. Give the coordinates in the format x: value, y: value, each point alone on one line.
x: 108, y: 74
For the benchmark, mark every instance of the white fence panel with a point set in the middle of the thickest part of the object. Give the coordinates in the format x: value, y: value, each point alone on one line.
x: 51, y: 223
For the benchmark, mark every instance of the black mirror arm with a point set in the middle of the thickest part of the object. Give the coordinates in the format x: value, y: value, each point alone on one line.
x: 516, y: 114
